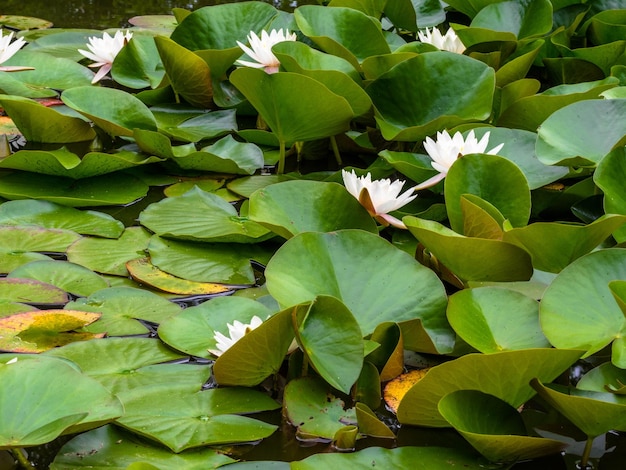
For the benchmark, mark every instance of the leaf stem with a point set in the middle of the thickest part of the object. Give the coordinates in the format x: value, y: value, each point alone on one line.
x: 20, y: 457
x: 281, y: 158
x: 584, y: 460
x: 333, y: 143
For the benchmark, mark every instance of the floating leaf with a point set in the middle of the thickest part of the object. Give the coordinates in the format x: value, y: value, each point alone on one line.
x: 24, y: 239
x: 54, y: 216
x: 109, y: 256
x: 33, y: 409
x: 201, y: 216
x: 145, y: 273
x: 366, y: 273
x: 291, y: 207
x: 398, y: 387
x: 524, y: 19
x: 138, y: 65
x: 10, y: 260
x: 182, y: 420
x: 70, y: 277
x: 313, y: 410
x: 608, y: 177
x: 31, y: 291
x: 122, y: 307
x: 41, y: 330
x: 493, y: 319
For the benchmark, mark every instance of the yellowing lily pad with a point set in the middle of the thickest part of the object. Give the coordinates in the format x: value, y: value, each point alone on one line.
x: 145, y: 272
x: 397, y: 388
x: 38, y: 331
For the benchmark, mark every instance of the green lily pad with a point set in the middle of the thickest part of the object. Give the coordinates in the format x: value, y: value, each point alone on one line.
x: 292, y: 207
x: 109, y: 256
x: 41, y: 330
x: 201, y: 216
x: 200, y: 127
x: 604, y: 378
x: 138, y: 65
x: 566, y: 138
x: 95, y: 191
x: 493, y: 319
x: 32, y: 412
x: 332, y: 29
x: 24, y: 239
x: 115, y: 111
x: 594, y: 413
x: 62, y: 162
x: 39, y: 123
x: 554, y: 246
x: 524, y: 19
x: 498, y: 374
x: 31, y: 291
x: 259, y: 354
x: 182, y: 420
x: 126, y: 364
x: 192, y: 331
x: 493, y: 427
x: 578, y: 310
x: 428, y: 92
x: 121, y: 307
x: 24, y: 22
x: 492, y: 178
x: 313, y: 410
x: 10, y: 260
x: 222, y: 263
x: 608, y: 177
x: 471, y: 259
x: 366, y: 273
x: 331, y: 338
x: 70, y: 277
x: 54, y: 216
x: 112, y: 447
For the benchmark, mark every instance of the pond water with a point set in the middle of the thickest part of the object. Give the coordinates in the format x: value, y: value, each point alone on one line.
x: 102, y: 14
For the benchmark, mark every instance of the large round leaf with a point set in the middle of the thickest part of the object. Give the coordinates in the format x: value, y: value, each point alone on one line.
x: 96, y: 191
x: 291, y: 207
x: 112, y: 447
x: 566, y: 138
x: 181, y: 419
x: 49, y: 215
x: 290, y: 114
x: 201, y: 216
x: 528, y: 18
x: 492, y: 178
x: 375, y: 280
x: 115, y: 111
x: 609, y: 177
x: 493, y: 319
x: 428, y: 92
x: 578, y: 309
x: 138, y: 64
x: 122, y: 307
x: 24, y: 239
x: 42, y: 398
x: 498, y: 374
x: 471, y: 259
x: 493, y: 427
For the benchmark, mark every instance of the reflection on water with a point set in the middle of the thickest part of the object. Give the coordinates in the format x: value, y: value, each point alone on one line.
x: 101, y: 14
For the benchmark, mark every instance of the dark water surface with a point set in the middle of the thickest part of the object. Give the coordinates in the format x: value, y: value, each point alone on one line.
x: 101, y: 14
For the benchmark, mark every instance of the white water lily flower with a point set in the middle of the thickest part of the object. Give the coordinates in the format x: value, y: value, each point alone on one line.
x: 261, y: 49
x: 8, y: 50
x: 236, y: 331
x: 379, y: 197
x: 446, y: 150
x: 446, y: 42
x: 104, y: 50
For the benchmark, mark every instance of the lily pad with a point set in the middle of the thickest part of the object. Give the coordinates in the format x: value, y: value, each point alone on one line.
x: 41, y: 330
x: 109, y: 256
x: 112, y: 447
x: 182, y: 420
x: 23, y: 239
x: 578, y: 310
x: 54, y: 216
x: 366, y: 273
x: 314, y: 411
x: 95, y: 191
x: 497, y: 374
x: 493, y: 427
x: 201, y: 216
x: 292, y: 207
x: 138, y: 65
x: 608, y: 177
x: 10, y: 260
x: 192, y: 331
x: 31, y: 291
x: 121, y: 307
x: 493, y: 319
x: 32, y: 411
